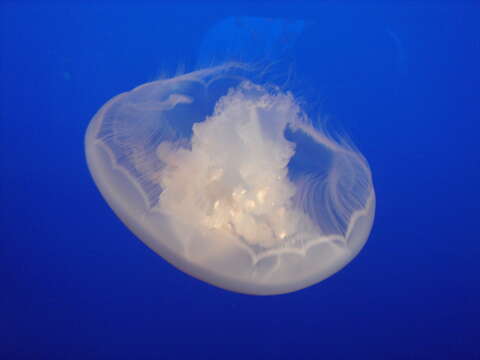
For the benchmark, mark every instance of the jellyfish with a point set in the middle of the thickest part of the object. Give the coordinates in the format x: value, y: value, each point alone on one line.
x: 225, y: 176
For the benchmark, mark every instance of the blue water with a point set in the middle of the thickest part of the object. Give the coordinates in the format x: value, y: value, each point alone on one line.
x: 401, y: 79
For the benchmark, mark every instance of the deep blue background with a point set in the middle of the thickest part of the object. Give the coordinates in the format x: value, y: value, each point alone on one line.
x: 402, y: 79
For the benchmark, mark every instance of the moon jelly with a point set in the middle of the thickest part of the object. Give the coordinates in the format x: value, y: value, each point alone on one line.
x: 227, y: 179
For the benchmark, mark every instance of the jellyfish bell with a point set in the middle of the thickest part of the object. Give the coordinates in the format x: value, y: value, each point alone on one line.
x: 227, y: 178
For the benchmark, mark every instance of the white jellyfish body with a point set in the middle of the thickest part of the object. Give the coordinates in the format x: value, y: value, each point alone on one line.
x: 230, y: 182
